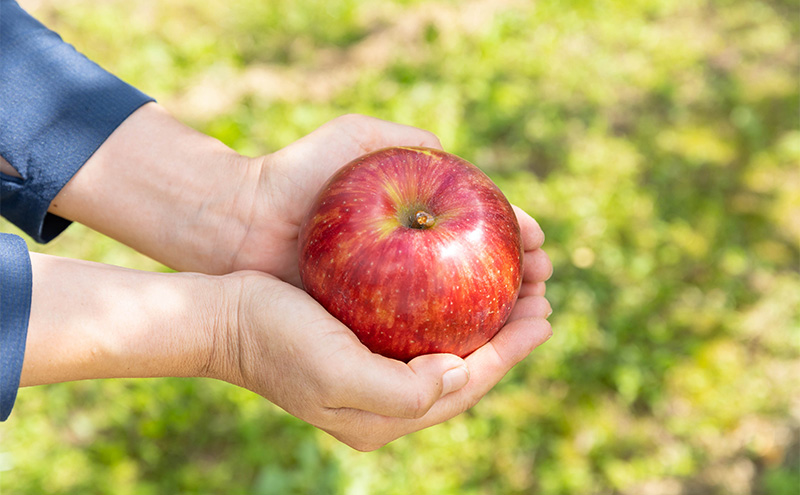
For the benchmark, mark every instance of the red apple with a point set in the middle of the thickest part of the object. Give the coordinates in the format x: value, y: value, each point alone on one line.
x: 416, y: 250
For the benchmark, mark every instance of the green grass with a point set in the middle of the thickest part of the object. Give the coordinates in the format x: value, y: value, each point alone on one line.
x: 658, y: 144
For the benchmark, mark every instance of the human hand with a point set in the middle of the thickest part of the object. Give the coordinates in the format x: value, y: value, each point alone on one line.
x: 292, y: 177
x: 192, y: 203
x: 284, y: 346
x: 258, y: 332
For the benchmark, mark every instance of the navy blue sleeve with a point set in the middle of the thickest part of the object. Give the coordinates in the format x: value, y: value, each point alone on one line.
x: 15, y: 309
x: 57, y: 107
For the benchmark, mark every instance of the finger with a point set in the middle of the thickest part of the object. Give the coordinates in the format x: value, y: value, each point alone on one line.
x: 529, y: 289
x: 511, y: 345
x: 373, y: 134
x: 392, y: 388
x: 336, y: 143
x: 488, y: 365
x: 393, y: 134
x: 530, y: 307
x: 537, y: 266
x: 532, y: 235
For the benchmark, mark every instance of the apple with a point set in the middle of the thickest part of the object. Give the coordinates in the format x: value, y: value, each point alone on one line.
x: 416, y: 250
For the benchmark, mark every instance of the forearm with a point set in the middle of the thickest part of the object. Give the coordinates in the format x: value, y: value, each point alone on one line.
x: 166, y: 190
x: 90, y: 320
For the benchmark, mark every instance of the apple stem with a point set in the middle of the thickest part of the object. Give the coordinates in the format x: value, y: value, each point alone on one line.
x: 422, y: 220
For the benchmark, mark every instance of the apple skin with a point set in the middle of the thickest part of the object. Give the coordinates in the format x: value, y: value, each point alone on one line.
x: 447, y: 286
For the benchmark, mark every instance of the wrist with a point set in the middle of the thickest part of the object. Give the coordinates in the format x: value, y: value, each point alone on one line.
x: 227, y: 337
x: 90, y: 320
x: 166, y: 190
x: 184, y: 323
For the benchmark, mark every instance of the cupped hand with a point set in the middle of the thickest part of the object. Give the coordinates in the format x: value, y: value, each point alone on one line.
x: 287, y: 348
x: 291, y: 178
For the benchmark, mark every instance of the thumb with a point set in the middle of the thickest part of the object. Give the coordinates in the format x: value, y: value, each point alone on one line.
x: 392, y: 388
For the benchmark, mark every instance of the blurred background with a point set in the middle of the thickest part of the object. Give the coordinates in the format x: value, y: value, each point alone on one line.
x: 656, y: 141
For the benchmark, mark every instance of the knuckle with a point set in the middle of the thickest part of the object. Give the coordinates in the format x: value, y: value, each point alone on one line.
x: 351, y: 118
x: 334, y: 393
x: 363, y: 445
x: 431, y: 138
x: 542, y: 307
x: 364, y: 440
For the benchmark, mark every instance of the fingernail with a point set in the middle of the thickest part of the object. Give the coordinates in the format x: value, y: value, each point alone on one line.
x: 454, y: 379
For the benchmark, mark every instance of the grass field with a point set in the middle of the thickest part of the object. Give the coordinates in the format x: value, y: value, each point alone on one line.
x: 657, y: 142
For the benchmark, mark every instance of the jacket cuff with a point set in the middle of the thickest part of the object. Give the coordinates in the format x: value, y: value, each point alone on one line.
x: 15, y: 309
x: 58, y: 108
